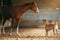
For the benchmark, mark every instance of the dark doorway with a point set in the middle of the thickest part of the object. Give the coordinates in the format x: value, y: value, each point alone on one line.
x: 7, y: 3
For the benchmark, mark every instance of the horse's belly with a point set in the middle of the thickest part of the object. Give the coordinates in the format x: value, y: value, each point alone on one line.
x: 7, y: 24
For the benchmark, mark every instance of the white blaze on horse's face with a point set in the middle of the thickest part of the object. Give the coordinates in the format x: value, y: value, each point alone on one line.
x: 35, y: 7
x: 37, y: 10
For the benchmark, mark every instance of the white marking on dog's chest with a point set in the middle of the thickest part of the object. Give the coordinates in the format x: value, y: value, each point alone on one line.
x: 56, y: 26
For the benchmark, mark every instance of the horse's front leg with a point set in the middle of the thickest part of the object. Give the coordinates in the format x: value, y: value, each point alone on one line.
x: 12, y: 25
x: 3, y: 30
x: 17, y: 31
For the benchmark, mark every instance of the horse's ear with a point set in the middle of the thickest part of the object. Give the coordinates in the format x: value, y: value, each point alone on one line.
x: 35, y: 0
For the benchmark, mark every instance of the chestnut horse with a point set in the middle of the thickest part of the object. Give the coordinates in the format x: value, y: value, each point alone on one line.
x: 16, y: 13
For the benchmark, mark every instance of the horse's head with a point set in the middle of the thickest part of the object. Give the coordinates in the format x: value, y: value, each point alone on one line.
x: 34, y: 7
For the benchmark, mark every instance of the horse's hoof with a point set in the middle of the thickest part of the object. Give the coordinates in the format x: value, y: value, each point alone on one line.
x: 18, y: 34
x: 3, y: 32
x: 10, y: 34
x: 0, y: 33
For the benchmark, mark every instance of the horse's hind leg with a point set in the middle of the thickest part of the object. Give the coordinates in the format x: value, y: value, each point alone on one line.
x: 0, y: 28
x: 0, y: 25
x: 3, y: 25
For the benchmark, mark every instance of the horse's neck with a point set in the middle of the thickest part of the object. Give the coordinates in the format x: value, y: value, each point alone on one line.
x: 24, y: 9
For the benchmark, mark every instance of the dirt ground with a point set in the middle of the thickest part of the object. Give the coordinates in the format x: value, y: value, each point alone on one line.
x: 30, y: 34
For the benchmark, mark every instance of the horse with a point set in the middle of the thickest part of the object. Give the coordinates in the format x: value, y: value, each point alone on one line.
x: 16, y: 13
x: 51, y: 26
x: 7, y: 24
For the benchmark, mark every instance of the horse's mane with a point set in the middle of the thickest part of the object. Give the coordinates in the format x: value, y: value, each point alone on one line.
x: 21, y: 5
x: 27, y: 3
